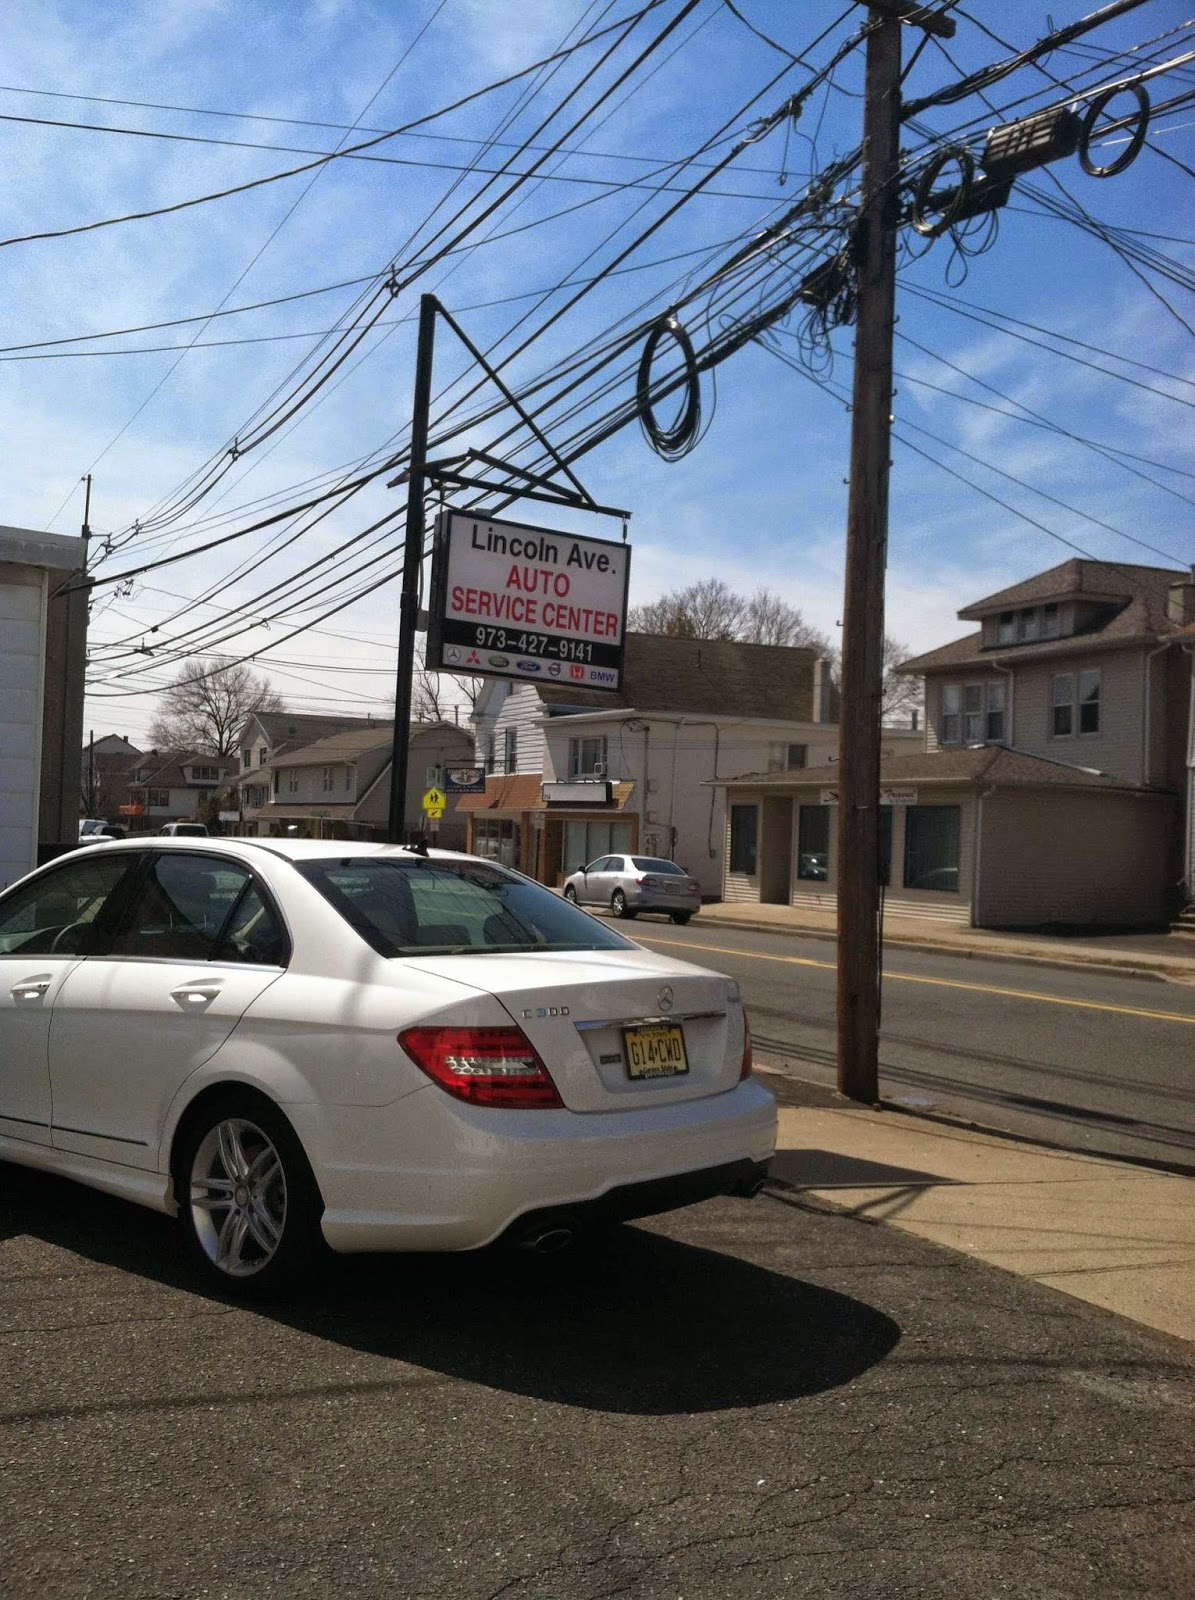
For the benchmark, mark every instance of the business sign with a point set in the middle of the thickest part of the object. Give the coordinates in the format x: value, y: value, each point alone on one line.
x: 464, y: 780
x: 888, y: 797
x: 532, y: 604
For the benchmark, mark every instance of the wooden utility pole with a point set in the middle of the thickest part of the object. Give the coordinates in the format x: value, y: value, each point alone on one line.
x: 866, y: 554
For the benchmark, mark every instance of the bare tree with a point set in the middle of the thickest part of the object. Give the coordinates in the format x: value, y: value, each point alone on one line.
x: 437, y: 696
x: 770, y: 620
x: 207, y: 706
x: 903, y: 695
x: 708, y: 609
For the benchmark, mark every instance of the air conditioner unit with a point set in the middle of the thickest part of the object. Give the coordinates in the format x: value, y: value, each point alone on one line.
x: 598, y: 770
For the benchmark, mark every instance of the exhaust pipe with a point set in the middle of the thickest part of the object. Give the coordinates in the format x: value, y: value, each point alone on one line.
x: 547, y: 1241
x: 751, y: 1187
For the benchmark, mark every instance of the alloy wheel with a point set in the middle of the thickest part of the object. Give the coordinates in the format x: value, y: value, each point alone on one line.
x: 238, y: 1197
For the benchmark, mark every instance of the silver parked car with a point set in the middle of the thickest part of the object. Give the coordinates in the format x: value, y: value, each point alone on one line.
x: 631, y: 884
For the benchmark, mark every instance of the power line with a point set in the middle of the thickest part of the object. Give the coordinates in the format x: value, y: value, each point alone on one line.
x: 335, y: 358
x: 392, y: 161
x: 321, y: 161
x: 948, y: 302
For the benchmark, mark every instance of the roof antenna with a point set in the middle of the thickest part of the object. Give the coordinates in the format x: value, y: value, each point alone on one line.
x: 419, y: 848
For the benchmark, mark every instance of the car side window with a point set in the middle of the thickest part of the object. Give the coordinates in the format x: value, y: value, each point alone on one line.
x: 57, y: 914
x: 181, y: 908
x: 600, y: 865
x: 253, y: 933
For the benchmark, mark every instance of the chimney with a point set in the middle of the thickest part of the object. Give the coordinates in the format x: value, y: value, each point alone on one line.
x: 1180, y: 602
x: 821, y: 690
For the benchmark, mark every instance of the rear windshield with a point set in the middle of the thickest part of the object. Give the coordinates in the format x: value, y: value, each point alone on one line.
x: 414, y: 906
x: 650, y: 864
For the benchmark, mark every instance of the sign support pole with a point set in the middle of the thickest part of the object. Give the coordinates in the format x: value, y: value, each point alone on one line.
x: 408, y: 605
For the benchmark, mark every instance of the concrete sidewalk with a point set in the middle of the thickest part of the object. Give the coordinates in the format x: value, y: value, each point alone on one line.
x: 1112, y: 1234
x: 1169, y: 957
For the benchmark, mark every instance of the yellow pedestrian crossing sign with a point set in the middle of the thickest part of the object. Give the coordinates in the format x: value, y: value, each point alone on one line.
x: 433, y: 804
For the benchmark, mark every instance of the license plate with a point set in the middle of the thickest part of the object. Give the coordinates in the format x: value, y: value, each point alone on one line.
x: 656, y: 1051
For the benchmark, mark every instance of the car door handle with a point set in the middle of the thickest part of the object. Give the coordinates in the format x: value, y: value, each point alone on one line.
x: 31, y: 988
x: 194, y: 996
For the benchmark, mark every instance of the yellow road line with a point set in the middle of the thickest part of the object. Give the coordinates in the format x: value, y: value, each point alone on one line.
x: 939, y: 983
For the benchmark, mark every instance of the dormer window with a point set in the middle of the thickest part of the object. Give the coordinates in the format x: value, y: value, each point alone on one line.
x: 1051, y: 623
x: 1006, y: 628
x: 1028, y: 624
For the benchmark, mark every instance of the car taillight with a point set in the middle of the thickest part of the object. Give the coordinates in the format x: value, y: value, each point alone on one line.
x: 648, y: 883
x: 484, y: 1066
x: 745, y: 1069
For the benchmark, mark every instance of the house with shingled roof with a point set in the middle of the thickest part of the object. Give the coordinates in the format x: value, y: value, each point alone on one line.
x: 338, y: 787
x: 575, y: 774
x: 1052, y: 784
x: 268, y: 734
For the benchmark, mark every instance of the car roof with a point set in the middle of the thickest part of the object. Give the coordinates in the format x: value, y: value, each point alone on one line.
x: 287, y: 849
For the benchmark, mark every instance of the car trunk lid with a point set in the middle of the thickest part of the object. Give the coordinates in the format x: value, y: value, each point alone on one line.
x: 616, y: 1029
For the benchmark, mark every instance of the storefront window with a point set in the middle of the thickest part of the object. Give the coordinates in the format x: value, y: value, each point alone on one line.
x: 813, y: 844
x: 932, y: 848
x: 585, y: 841
x: 494, y: 839
x: 744, y: 823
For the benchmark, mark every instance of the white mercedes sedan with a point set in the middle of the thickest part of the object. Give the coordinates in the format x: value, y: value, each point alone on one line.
x: 290, y: 1045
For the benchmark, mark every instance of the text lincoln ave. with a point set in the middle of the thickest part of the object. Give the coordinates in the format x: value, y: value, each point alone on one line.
x: 537, y: 589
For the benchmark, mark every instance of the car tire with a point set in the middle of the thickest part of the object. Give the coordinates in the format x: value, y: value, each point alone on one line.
x: 618, y: 904
x: 681, y: 917
x: 266, y: 1233
x: 570, y: 894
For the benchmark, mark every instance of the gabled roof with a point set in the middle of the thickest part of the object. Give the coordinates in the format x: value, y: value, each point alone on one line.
x: 349, y: 745
x: 113, y: 744
x: 298, y: 727
x: 701, y: 676
x: 1138, y: 594
x: 1077, y: 579
x: 987, y: 764
x: 164, y: 768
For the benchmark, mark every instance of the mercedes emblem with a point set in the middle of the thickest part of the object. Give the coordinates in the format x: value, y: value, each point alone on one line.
x: 664, y: 998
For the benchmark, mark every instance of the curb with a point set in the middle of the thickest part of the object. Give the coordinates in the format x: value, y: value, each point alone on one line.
x: 1171, y: 973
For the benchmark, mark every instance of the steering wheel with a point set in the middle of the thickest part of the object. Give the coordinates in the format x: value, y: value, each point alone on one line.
x: 58, y: 944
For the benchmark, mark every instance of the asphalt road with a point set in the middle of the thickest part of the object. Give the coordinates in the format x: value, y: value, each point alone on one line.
x: 738, y: 1402
x: 1085, y: 1060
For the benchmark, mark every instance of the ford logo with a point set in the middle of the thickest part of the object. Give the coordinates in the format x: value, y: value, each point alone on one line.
x: 527, y: 666
x: 498, y: 661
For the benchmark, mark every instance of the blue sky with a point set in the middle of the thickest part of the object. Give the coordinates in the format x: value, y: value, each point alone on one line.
x: 760, y: 500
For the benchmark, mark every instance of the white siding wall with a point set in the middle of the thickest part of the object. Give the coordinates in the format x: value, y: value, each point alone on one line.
x: 22, y: 653
x: 521, y: 710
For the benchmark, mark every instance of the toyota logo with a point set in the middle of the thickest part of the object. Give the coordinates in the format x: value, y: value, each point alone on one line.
x: 664, y: 998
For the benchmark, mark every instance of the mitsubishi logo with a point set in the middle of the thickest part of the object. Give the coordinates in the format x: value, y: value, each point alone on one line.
x: 664, y: 998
